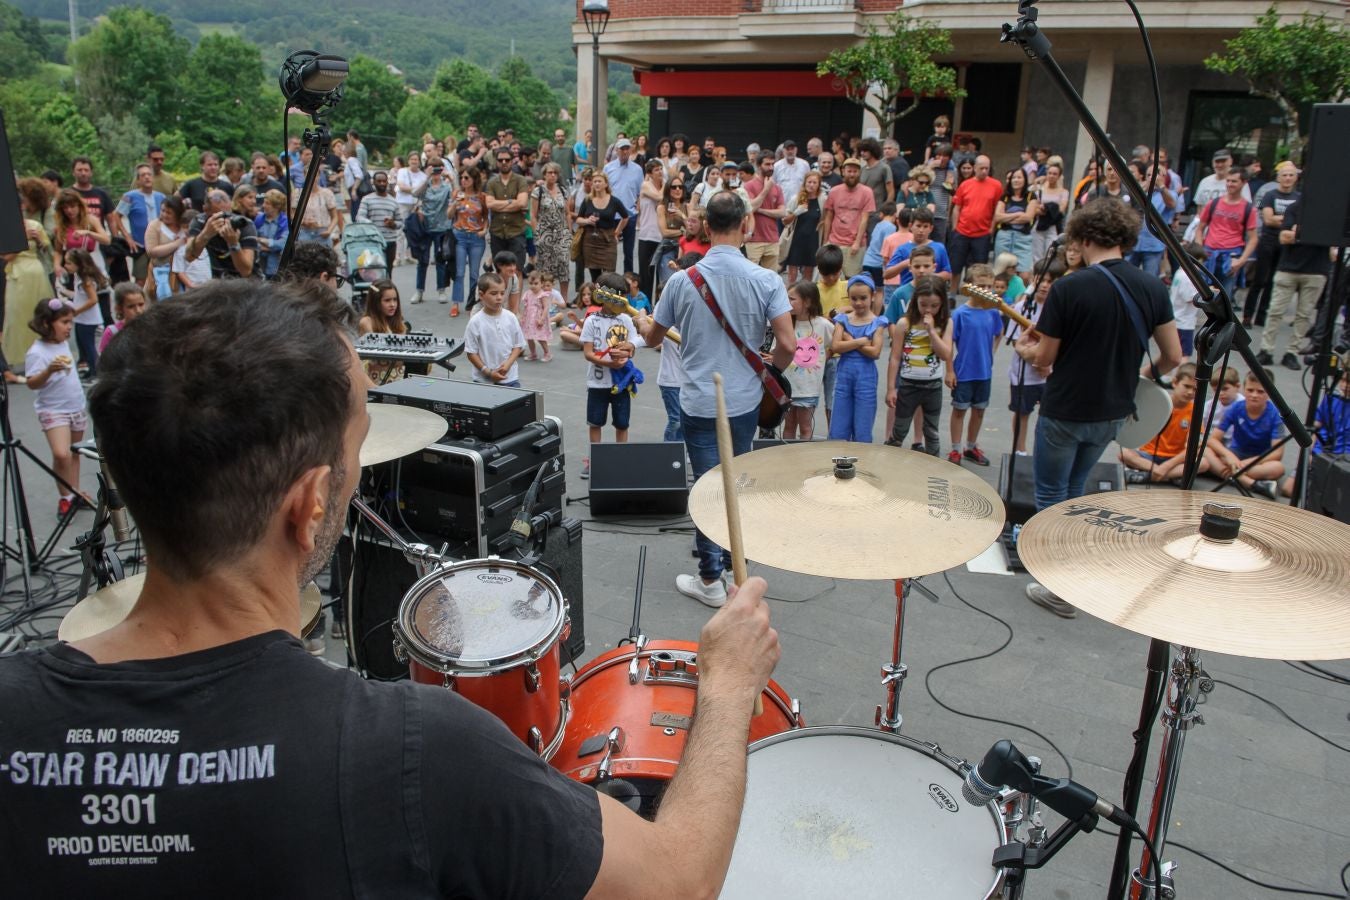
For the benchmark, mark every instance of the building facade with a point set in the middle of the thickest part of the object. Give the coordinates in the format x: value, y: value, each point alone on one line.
x: 744, y: 70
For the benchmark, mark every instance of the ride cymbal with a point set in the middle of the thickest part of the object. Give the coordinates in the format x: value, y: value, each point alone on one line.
x: 1264, y: 579
x: 396, y: 431
x: 896, y: 514
x: 107, y: 607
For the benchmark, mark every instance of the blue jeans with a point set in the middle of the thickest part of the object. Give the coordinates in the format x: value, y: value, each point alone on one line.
x: 855, y: 399
x: 1220, y: 263
x: 86, y: 341
x: 1065, y: 454
x: 700, y: 440
x: 162, y: 284
x: 436, y: 243
x: 1148, y: 260
x: 670, y: 396
x: 469, y: 247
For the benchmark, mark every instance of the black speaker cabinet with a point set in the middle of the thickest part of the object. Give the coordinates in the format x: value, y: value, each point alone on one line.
x: 639, y: 479
x: 1325, y: 218
x: 1329, y: 485
x: 377, y: 577
x: 1020, y: 502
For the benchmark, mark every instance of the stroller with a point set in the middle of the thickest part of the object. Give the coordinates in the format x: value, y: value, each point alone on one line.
x: 363, y: 251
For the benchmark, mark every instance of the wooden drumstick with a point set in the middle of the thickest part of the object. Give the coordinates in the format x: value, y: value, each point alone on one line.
x: 725, y: 454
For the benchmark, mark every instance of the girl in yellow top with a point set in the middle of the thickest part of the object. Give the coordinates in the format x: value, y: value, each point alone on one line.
x: 922, y: 344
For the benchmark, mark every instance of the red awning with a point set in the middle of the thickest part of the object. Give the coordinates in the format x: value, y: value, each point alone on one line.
x: 737, y: 83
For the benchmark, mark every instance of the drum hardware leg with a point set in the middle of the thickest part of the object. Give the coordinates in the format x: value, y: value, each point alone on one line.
x: 1187, y: 683
x: 422, y: 557
x: 614, y: 743
x: 888, y: 717
x: 532, y: 679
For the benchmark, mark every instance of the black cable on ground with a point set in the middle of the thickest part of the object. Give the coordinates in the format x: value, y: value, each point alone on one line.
x: 1279, y: 709
x: 927, y: 685
x: 1323, y: 674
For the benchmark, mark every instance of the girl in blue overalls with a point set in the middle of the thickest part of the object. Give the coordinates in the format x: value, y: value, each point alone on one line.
x: 858, y: 336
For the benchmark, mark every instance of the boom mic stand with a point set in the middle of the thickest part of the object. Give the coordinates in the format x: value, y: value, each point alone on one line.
x: 1220, y: 334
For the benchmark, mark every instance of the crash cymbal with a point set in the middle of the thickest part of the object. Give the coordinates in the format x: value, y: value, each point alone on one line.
x: 1279, y: 589
x: 396, y: 431
x: 902, y: 514
x: 105, y: 608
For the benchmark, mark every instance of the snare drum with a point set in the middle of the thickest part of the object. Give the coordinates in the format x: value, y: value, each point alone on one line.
x: 491, y: 629
x: 839, y: 811
x: 648, y: 698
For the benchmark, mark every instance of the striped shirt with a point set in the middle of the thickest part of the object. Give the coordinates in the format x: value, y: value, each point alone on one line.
x: 374, y: 209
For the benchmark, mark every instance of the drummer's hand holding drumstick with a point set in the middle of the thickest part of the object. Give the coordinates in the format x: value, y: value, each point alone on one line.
x: 738, y: 649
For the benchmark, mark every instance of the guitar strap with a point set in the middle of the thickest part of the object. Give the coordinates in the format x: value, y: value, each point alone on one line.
x: 771, y: 384
x: 1132, y: 310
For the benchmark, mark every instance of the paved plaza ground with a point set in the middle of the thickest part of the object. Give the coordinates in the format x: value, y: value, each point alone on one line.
x: 1256, y: 792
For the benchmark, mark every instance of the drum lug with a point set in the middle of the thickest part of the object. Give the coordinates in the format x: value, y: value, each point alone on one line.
x: 796, y: 713
x: 400, y: 652
x: 677, y: 666
x: 536, y: 740
x: 531, y: 678
x: 637, y: 654
x: 447, y: 682
x: 614, y: 743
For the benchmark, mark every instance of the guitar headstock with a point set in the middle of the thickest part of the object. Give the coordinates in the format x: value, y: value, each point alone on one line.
x: 985, y: 298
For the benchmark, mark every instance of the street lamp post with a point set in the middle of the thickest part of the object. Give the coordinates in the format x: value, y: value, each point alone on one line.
x: 595, y: 13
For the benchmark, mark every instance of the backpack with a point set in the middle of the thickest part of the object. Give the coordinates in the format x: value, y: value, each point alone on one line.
x: 1246, y: 211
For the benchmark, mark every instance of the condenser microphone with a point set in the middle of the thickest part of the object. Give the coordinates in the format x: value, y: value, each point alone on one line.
x: 117, y: 510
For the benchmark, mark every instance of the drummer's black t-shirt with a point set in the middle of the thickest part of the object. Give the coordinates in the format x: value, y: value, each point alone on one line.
x: 253, y: 770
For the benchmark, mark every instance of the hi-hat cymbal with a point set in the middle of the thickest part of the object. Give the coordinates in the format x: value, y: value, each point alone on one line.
x: 903, y: 514
x: 396, y: 431
x: 1279, y: 590
x: 105, y: 608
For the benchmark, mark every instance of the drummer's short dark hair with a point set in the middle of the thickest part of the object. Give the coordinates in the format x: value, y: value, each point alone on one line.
x: 212, y: 404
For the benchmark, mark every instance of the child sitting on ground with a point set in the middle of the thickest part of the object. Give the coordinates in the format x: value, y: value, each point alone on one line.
x: 1252, y: 428
x: 1224, y: 390
x: 1163, y: 458
x: 1007, y: 282
x: 1331, y: 425
x: 636, y: 298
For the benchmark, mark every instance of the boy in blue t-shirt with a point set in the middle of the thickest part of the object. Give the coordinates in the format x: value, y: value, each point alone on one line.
x: 872, y: 261
x: 921, y: 226
x: 1252, y: 428
x: 1331, y: 425
x: 975, y: 334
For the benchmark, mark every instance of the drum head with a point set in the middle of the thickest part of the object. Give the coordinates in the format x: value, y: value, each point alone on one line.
x: 480, y: 615
x: 851, y: 812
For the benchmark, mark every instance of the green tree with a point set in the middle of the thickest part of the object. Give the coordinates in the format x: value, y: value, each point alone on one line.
x: 23, y: 46
x: 45, y: 129
x: 180, y: 158
x: 898, y: 61
x: 221, y: 99
x: 373, y: 100
x: 130, y: 64
x: 1294, y: 65
x: 433, y: 112
x: 536, y: 107
x: 123, y: 141
x: 629, y: 112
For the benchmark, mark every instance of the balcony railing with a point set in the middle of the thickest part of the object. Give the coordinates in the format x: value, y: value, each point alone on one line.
x: 793, y: 6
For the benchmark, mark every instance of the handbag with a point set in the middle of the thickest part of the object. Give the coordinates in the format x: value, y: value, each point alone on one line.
x: 577, y: 237
x: 785, y: 240
x: 777, y: 396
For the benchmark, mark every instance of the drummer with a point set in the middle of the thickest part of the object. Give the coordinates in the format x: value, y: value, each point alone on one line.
x: 197, y: 749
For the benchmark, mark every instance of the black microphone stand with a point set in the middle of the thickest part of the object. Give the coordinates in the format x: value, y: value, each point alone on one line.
x: 315, y: 138
x: 1220, y: 334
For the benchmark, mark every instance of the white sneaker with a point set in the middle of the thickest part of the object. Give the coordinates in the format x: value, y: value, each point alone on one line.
x: 714, y: 595
x: 441, y: 297
x: 585, y: 468
x: 417, y: 297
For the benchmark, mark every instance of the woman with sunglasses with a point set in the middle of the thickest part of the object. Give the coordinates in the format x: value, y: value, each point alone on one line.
x: 552, y: 237
x: 919, y: 190
x: 470, y: 231
x: 670, y: 216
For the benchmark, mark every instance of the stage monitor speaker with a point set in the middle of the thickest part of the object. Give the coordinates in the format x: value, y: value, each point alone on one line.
x: 13, y: 238
x: 639, y: 479
x: 377, y: 577
x: 1020, y: 502
x: 1329, y: 485
x: 1325, y: 216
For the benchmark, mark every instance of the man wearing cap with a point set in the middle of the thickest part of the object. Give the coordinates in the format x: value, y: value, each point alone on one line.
x: 769, y: 207
x: 625, y: 183
x: 1211, y: 187
x: 844, y: 220
x: 789, y: 173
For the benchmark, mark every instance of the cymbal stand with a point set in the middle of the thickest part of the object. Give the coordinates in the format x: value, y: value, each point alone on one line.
x: 1187, y: 682
x: 893, y: 674
x: 421, y: 556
